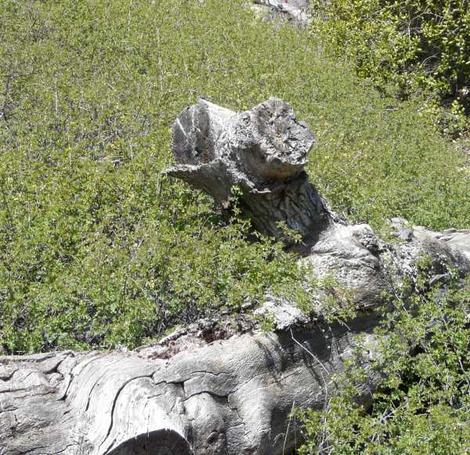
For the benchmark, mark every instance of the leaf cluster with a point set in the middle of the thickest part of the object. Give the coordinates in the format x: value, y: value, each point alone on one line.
x: 408, y: 46
x: 420, y: 405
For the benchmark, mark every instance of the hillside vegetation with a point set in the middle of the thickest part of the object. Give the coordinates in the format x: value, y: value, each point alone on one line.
x: 406, y: 47
x: 421, y: 399
x: 98, y: 248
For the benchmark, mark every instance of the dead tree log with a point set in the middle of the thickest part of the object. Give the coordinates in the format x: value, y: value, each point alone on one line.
x: 231, y: 396
x: 295, y: 11
x: 230, y: 393
x: 262, y: 152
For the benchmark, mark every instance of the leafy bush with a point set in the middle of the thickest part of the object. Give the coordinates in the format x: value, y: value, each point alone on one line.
x: 421, y: 403
x: 97, y: 246
x: 411, y: 45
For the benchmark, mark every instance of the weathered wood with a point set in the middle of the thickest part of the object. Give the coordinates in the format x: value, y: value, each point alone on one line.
x: 295, y: 11
x: 229, y: 396
x: 262, y: 152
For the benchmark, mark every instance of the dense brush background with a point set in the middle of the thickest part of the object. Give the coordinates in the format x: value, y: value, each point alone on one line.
x: 97, y: 246
x: 100, y: 249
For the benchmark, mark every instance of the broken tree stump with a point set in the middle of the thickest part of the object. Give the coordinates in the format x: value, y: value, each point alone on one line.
x: 262, y: 152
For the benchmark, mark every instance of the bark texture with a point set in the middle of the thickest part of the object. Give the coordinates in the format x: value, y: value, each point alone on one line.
x: 229, y: 396
x: 262, y: 152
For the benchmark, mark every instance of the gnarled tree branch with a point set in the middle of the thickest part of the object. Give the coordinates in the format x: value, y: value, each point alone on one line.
x: 263, y: 152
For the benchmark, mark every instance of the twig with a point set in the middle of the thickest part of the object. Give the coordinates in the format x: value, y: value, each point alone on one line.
x: 309, y: 352
x: 287, y: 429
x: 325, y: 384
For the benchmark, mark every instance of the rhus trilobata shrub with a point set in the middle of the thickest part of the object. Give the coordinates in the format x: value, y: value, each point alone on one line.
x: 421, y: 403
x: 98, y: 248
x: 411, y: 46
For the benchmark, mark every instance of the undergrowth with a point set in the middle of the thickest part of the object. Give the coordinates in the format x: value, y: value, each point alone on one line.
x: 420, y: 403
x: 97, y: 246
x: 406, y: 48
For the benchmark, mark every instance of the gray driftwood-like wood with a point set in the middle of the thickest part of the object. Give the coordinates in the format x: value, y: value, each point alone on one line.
x: 297, y: 12
x: 263, y: 153
x: 230, y: 396
x: 208, y: 389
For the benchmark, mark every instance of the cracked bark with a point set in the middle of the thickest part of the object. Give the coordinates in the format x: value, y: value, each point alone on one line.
x: 233, y: 394
x: 229, y: 396
x: 262, y: 152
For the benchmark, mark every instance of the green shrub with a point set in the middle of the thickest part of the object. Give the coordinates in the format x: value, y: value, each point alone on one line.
x: 411, y: 45
x: 421, y: 403
x: 97, y: 247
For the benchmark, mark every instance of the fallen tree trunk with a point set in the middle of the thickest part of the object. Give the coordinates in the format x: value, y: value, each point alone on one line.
x: 231, y: 396
x: 210, y: 389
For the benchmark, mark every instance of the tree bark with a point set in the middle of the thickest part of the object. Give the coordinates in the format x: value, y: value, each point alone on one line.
x: 261, y: 152
x: 229, y: 396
